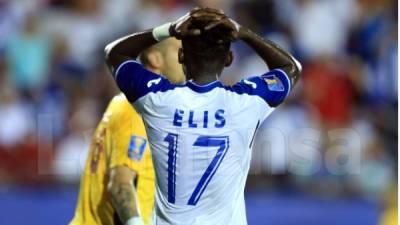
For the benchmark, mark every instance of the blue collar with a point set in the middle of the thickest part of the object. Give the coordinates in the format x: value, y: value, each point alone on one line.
x: 203, y: 88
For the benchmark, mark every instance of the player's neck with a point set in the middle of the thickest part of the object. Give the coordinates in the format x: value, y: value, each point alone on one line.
x: 204, y: 79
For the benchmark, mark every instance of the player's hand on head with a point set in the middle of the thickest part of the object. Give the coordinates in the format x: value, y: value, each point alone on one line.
x: 216, y: 19
x: 182, y: 27
x: 207, y: 14
x: 231, y: 27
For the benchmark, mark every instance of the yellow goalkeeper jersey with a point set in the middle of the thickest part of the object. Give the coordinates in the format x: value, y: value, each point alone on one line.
x: 120, y: 139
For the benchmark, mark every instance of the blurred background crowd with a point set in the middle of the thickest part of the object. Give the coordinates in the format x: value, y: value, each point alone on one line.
x: 335, y: 137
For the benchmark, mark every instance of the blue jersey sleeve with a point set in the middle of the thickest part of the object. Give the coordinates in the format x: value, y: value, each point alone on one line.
x: 273, y: 87
x: 135, y: 81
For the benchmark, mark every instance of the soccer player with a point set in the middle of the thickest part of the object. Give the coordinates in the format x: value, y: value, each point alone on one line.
x: 119, y: 155
x: 201, y: 132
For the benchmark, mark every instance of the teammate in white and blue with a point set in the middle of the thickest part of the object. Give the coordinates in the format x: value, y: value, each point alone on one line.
x: 201, y: 132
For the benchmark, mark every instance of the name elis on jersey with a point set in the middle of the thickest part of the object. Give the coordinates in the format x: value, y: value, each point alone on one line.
x: 199, y: 119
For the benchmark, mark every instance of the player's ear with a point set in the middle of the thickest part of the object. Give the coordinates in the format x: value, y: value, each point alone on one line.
x: 229, y: 59
x: 180, y: 56
x: 155, y: 59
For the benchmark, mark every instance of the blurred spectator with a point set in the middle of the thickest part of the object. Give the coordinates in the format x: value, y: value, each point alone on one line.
x: 329, y: 92
x: 320, y: 27
x: 72, y: 150
x: 82, y: 29
x: 17, y: 122
x: 28, y: 56
x: 9, y: 21
x: 374, y: 39
x: 376, y: 174
x: 12, y: 16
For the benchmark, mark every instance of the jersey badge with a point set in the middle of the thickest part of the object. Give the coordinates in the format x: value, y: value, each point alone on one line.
x: 137, y: 145
x: 274, y: 84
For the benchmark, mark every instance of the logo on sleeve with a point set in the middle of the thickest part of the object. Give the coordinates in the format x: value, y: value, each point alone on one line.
x: 273, y: 83
x: 153, y: 82
x: 137, y: 145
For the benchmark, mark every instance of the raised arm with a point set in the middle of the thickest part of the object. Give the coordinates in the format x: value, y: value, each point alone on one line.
x: 129, y: 47
x: 273, y: 55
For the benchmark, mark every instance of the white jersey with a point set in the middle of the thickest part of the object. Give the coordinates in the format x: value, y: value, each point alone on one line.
x: 201, y: 139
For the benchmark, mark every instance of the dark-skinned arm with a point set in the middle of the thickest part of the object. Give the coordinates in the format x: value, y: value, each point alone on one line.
x: 128, y: 48
x: 273, y: 55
